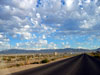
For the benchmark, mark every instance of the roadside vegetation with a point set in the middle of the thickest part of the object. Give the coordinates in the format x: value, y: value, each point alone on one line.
x: 45, y: 61
x: 8, y: 61
x: 96, y: 54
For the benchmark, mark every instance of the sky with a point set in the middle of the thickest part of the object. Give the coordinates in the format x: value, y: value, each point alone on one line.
x: 49, y: 24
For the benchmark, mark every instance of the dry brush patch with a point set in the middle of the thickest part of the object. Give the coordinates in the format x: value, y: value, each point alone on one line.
x: 21, y: 60
x: 95, y: 54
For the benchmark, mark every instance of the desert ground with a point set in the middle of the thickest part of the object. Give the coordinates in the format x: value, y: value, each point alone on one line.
x: 17, y: 62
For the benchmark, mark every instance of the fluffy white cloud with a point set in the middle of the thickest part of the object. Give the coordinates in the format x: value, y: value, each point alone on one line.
x: 4, y: 42
x: 1, y: 36
x: 42, y: 19
x: 88, y: 24
x: 41, y: 44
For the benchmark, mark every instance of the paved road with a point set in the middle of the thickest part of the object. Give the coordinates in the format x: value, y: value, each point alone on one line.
x: 78, y: 65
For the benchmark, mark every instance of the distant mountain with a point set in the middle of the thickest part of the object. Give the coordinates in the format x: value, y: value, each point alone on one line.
x: 22, y: 51
x: 98, y: 49
x: 16, y: 51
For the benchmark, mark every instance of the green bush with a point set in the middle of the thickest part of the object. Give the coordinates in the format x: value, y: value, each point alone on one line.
x: 18, y: 65
x: 45, y: 61
x: 53, y: 59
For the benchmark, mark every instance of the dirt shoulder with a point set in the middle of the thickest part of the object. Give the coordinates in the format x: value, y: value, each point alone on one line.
x: 7, y: 71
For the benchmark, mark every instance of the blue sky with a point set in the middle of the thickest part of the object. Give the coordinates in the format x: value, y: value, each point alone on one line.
x: 49, y: 24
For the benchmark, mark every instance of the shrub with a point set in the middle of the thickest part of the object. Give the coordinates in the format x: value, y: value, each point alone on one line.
x: 17, y: 65
x: 53, y: 59
x: 4, y: 58
x: 45, y: 61
x: 9, y: 59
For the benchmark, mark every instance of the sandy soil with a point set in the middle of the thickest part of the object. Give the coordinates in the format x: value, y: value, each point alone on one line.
x: 8, y: 71
x: 16, y: 69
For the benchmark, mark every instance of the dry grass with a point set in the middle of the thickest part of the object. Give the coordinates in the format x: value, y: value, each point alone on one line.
x: 21, y: 60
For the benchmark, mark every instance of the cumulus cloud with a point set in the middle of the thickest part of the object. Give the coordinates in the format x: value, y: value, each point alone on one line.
x: 41, y: 44
x: 4, y: 42
x: 43, y: 19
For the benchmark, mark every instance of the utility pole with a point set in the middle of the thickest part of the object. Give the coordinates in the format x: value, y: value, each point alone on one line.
x: 25, y: 59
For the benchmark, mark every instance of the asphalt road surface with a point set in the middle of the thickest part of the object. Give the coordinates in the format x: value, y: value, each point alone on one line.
x: 79, y: 65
